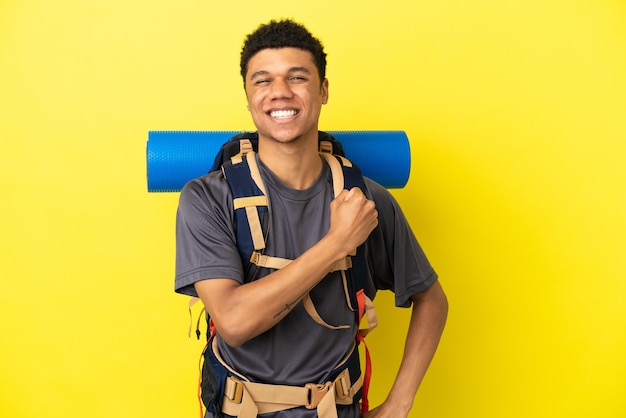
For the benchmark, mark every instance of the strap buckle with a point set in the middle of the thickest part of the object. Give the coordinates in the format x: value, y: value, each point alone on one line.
x: 245, y: 146
x: 326, y: 146
x: 255, y: 257
x: 233, y: 390
x: 343, y: 386
x: 316, y: 393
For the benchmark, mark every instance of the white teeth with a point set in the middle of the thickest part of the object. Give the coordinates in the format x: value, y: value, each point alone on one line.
x: 282, y: 113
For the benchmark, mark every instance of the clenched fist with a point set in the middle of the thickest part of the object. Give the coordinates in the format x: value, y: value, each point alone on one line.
x: 352, y: 218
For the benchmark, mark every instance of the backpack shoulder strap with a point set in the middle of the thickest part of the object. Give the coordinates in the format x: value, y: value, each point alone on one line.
x: 346, y: 176
x: 250, y: 204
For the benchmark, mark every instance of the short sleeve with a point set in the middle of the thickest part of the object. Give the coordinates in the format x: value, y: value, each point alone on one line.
x: 205, y: 238
x: 396, y: 260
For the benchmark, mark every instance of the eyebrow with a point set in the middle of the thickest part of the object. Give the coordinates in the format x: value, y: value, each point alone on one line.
x: 291, y: 70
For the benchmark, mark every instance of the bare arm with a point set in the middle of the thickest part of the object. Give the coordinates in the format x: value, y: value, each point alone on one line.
x: 430, y: 309
x: 241, y: 312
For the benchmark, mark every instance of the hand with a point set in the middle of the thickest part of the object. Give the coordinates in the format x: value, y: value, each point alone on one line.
x: 352, y: 218
x: 385, y: 410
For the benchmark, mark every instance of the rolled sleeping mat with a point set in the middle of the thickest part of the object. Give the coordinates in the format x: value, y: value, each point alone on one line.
x: 175, y: 157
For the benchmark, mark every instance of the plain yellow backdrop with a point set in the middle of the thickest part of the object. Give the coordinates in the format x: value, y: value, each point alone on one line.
x: 516, y: 111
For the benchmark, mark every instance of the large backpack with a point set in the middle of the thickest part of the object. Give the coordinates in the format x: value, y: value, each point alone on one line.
x: 236, y: 158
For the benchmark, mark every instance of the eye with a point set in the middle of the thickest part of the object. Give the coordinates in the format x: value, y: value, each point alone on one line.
x: 261, y: 81
x: 297, y: 78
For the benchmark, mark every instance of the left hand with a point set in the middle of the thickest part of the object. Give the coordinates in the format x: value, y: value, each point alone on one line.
x: 385, y: 410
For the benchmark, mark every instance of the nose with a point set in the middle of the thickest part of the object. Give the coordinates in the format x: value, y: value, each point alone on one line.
x: 280, y: 89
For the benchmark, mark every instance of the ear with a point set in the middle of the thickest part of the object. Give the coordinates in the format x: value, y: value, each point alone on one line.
x: 325, y: 91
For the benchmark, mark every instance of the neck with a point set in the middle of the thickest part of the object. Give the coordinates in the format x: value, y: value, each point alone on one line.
x: 296, y: 163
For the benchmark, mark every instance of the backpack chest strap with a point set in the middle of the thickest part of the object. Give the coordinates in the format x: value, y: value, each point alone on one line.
x: 278, y: 263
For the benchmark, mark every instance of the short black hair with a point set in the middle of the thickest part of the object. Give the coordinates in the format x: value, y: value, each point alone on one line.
x: 282, y: 34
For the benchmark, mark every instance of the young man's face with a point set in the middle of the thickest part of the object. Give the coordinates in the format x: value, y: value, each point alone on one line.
x: 284, y: 92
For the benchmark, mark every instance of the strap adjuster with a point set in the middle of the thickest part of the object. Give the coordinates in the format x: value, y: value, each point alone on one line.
x: 316, y: 393
x: 263, y: 260
x: 233, y: 390
x: 343, y: 386
x: 245, y: 146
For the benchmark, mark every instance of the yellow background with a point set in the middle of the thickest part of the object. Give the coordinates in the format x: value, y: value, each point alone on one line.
x: 516, y: 111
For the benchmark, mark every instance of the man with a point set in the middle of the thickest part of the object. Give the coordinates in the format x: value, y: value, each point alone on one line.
x: 264, y: 333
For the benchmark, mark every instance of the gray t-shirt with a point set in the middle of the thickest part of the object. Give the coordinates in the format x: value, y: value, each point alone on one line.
x: 297, y: 350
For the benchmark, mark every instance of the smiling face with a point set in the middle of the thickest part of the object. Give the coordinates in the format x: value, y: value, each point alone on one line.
x: 285, y: 94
